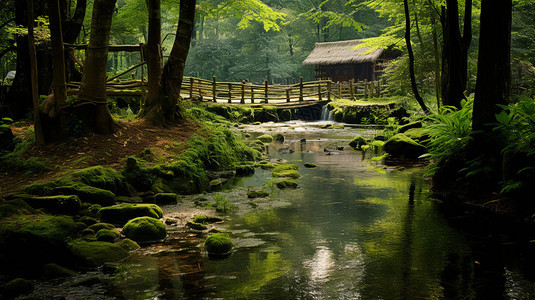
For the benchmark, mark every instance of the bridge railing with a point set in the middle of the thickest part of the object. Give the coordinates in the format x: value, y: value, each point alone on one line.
x: 246, y: 92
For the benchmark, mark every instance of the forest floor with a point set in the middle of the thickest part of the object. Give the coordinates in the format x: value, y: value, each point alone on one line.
x: 110, y: 150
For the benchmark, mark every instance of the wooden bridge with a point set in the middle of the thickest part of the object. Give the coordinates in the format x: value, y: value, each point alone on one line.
x: 294, y: 95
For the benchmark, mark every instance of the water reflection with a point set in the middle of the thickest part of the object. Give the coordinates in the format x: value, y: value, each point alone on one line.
x: 354, y: 230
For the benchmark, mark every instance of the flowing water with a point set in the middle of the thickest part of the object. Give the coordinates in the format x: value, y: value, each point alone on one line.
x: 355, y: 229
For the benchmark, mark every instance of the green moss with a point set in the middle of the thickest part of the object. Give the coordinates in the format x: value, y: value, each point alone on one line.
x: 357, y: 143
x: 401, y: 145
x: 145, y: 229
x: 166, y: 198
x: 257, y: 194
x: 203, y: 219
x: 215, y: 182
x: 310, y: 165
x: 98, y: 226
x: 419, y: 135
x: 196, y: 226
x: 15, y: 207
x: 106, y: 235
x: 265, y: 138
x: 122, y: 213
x: 128, y: 245
x: 286, y: 170
x: 338, y: 126
x: 17, y: 287
x: 95, y: 254
x: 53, y: 270
x: 87, y: 231
x: 35, y: 240
x: 159, y: 186
x: 287, y: 183
x: 66, y: 186
x: 378, y: 144
x: 326, y: 126
x: 266, y: 165
x: 245, y: 170
x: 137, y: 175
x: 218, y: 243
x: 403, y: 128
x: 101, y: 177
x: 88, y: 220
x: 57, y: 204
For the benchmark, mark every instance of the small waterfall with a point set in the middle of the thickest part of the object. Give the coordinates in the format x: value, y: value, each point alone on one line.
x: 326, y: 114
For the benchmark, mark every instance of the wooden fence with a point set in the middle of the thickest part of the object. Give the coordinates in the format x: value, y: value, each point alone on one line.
x: 245, y: 92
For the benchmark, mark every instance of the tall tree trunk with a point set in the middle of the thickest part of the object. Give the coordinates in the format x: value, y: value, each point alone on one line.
x: 493, y: 84
x: 455, y: 52
x: 165, y: 110
x: 411, y: 58
x: 54, y: 121
x: 96, y: 116
x: 39, y: 138
x: 153, y: 52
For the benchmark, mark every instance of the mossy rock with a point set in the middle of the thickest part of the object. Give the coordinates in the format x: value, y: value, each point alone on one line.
x: 218, y: 244
x: 66, y: 186
x: 215, y: 182
x: 57, y: 204
x: 257, y: 194
x: 166, y: 198
x: 338, y: 126
x: 160, y: 186
x: 88, y: 220
x: 35, y: 240
x: 52, y: 270
x: 310, y: 165
x: 401, y: 145
x: 128, y: 244
x: 419, y: 135
x: 17, y: 287
x: 378, y: 144
x: 122, y: 213
x: 137, y: 175
x: 196, y: 226
x: 87, y: 231
x: 357, y: 143
x: 411, y: 125
x: 245, y: 170
x: 106, y: 235
x: 145, y: 229
x: 287, y: 183
x: 326, y: 126
x: 15, y: 207
x: 286, y: 170
x: 95, y: 254
x: 279, y: 138
x: 203, y: 219
x: 98, y: 226
x: 265, y: 138
x: 101, y: 177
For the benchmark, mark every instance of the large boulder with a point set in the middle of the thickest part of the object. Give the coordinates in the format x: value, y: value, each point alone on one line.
x: 218, y: 244
x: 122, y: 213
x: 95, y: 254
x: 66, y: 186
x: 286, y: 170
x: 34, y: 240
x: 357, y: 143
x: 145, y: 229
x: 103, y: 178
x: 401, y: 145
x: 69, y: 204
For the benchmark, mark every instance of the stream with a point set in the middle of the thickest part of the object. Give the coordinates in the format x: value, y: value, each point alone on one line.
x: 355, y: 229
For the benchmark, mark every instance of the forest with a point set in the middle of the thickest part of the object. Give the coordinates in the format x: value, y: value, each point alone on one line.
x: 177, y: 149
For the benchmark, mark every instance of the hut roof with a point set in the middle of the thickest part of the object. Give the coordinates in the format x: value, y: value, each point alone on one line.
x: 342, y: 52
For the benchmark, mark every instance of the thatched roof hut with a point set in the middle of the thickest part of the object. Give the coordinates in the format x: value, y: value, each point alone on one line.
x: 342, y: 52
x: 340, y: 61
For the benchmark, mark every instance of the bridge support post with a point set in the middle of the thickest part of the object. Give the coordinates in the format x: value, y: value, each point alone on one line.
x: 252, y: 94
x: 352, y: 89
x: 242, y: 101
x: 191, y: 87
x: 319, y: 91
x: 266, y: 91
x: 214, y: 92
x: 230, y: 93
x: 301, y: 89
x: 329, y: 90
x: 288, y: 95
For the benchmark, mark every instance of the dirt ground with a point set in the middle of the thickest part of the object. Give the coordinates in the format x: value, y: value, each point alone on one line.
x: 130, y: 138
